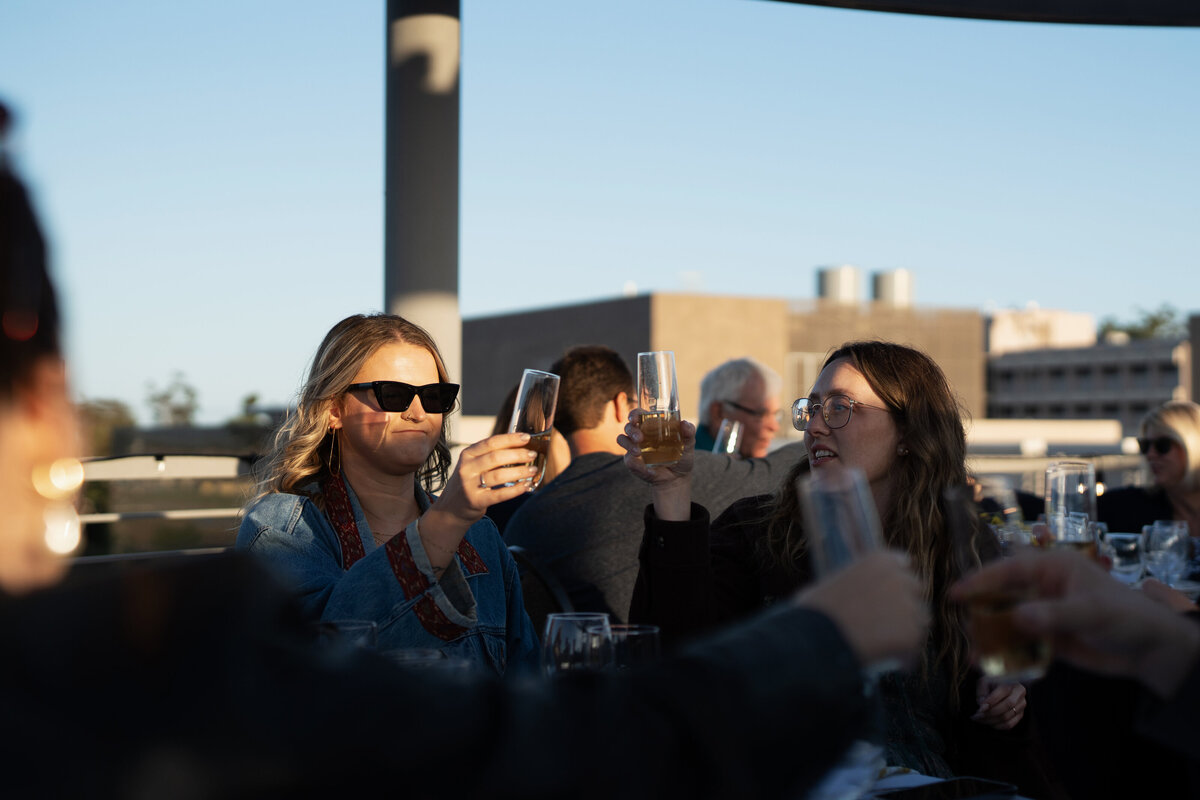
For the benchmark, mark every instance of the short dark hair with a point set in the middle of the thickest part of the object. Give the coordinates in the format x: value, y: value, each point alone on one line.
x: 589, y: 377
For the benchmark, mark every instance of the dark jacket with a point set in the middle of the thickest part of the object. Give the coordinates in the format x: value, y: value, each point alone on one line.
x: 198, y: 679
x: 695, y: 576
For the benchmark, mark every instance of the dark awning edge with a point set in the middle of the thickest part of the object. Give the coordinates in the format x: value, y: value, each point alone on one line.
x: 1166, y: 13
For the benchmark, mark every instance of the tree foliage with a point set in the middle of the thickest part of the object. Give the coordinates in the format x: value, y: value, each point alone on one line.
x: 176, y: 404
x: 100, y: 419
x: 1163, y: 323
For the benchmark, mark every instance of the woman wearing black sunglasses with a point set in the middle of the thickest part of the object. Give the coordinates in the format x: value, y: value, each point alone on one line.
x: 1169, y: 438
x: 346, y: 505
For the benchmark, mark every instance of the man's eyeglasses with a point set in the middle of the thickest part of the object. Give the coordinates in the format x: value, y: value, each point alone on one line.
x: 1161, y: 444
x: 436, y: 398
x: 754, y: 412
x: 836, y: 411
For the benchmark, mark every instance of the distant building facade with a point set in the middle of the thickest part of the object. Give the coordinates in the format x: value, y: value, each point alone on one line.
x: 792, y: 337
x: 1104, y: 381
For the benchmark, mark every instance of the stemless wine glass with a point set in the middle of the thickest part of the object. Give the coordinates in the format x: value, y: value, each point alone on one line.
x: 576, y: 641
x: 729, y: 438
x: 1125, y: 550
x: 533, y: 413
x: 1003, y: 653
x: 635, y: 645
x: 658, y: 397
x: 841, y: 517
x: 1165, y: 550
x: 1071, y: 505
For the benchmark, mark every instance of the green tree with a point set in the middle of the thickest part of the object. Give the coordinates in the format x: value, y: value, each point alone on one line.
x: 100, y: 419
x: 1162, y: 323
x: 174, y: 405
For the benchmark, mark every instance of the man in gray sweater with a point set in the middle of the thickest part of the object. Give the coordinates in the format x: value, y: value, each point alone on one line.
x: 585, y: 526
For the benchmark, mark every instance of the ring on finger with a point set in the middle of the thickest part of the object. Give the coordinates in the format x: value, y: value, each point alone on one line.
x: 482, y: 482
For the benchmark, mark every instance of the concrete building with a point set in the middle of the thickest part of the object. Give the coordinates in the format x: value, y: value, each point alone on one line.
x: 704, y: 330
x: 1104, y: 381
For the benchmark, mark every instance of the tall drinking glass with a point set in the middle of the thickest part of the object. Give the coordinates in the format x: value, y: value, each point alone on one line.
x: 1071, y: 506
x: 576, y: 641
x: 729, y: 438
x: 1003, y: 653
x: 841, y: 518
x: 533, y: 413
x: 658, y: 397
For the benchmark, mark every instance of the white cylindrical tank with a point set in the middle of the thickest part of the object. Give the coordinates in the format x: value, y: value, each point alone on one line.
x: 839, y: 284
x: 895, y: 288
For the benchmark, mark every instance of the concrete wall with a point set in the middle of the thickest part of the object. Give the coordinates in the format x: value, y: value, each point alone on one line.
x: 496, y: 349
x: 705, y: 331
x: 953, y: 338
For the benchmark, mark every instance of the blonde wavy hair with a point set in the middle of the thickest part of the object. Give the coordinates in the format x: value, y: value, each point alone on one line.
x: 929, y: 420
x: 304, y: 450
x: 1179, y: 420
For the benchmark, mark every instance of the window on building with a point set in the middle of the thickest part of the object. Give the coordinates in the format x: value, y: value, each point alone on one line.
x: 1168, y: 375
x: 1139, y: 376
x: 1056, y: 379
x: 1110, y: 377
x: 1084, y: 377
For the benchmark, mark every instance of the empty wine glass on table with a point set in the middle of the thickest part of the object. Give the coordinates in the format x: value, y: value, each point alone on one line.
x: 1125, y: 550
x: 533, y: 413
x: 576, y: 641
x: 729, y: 438
x: 658, y: 397
x: 635, y: 645
x: 1166, y: 549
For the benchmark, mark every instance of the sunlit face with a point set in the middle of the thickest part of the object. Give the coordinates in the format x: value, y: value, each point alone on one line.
x: 760, y: 424
x: 869, y: 441
x: 384, y: 442
x: 1167, y: 468
x: 35, y: 432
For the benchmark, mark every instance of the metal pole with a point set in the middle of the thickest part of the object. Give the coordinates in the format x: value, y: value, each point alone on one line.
x: 421, y: 170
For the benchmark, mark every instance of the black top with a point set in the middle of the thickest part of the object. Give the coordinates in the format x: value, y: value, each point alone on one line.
x: 198, y: 679
x: 1127, y: 509
x: 693, y: 578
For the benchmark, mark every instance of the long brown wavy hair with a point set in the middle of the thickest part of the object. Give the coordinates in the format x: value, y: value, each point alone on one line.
x: 929, y: 420
x: 304, y: 449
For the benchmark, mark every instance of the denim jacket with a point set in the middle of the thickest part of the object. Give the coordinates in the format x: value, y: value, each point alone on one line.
x: 474, y: 611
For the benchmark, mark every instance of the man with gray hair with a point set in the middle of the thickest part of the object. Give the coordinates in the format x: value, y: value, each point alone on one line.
x: 744, y: 390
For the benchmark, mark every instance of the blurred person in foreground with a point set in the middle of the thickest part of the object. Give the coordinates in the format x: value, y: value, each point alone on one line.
x: 886, y: 410
x: 1123, y: 698
x: 586, y: 526
x: 196, y: 677
x: 1169, y: 438
x: 744, y: 390
x: 346, y: 506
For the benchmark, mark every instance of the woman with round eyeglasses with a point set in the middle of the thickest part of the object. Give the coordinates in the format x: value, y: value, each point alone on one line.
x: 888, y: 411
x: 1169, y: 438
x: 346, y: 505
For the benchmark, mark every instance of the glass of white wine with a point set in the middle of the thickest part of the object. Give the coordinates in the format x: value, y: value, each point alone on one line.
x: 658, y: 398
x: 533, y: 413
x: 729, y: 438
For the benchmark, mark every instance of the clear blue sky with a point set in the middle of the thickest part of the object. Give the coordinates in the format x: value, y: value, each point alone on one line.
x: 211, y: 173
